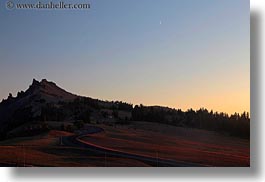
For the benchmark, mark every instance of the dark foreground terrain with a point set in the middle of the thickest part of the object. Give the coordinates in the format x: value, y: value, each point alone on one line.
x: 48, y: 126
x: 140, y: 144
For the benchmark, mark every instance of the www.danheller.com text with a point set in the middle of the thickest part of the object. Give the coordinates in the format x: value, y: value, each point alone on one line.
x: 48, y: 5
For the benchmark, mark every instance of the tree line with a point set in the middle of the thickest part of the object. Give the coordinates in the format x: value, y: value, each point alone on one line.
x: 234, y: 125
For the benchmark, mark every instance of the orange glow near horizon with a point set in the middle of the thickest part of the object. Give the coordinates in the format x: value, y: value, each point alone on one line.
x: 199, y: 56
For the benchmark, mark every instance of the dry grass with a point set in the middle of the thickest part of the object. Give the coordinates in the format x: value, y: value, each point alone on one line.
x: 167, y: 142
x: 149, y: 139
x: 45, y: 150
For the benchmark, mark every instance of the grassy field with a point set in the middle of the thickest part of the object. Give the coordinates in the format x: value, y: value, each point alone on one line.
x: 167, y: 142
x: 46, y: 150
x: 142, y: 138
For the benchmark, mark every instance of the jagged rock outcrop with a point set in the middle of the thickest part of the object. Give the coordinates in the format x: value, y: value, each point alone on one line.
x: 27, y: 105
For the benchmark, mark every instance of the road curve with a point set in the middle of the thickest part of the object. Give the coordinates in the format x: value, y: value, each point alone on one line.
x: 74, y: 141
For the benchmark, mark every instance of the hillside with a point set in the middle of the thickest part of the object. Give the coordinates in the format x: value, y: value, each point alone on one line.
x: 44, y: 102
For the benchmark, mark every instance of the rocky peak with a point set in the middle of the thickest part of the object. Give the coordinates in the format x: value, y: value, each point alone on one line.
x: 43, y: 89
x: 44, y: 81
x: 35, y: 82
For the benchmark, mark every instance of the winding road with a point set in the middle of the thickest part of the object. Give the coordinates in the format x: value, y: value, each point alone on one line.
x: 75, y: 141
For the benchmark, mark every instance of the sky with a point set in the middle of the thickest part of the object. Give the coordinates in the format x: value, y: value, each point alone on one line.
x: 176, y: 53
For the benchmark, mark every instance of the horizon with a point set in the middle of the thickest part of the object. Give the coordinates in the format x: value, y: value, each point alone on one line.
x: 133, y: 104
x: 176, y: 55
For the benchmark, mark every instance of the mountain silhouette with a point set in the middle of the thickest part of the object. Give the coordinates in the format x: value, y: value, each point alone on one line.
x: 37, y: 94
x: 30, y: 102
x: 44, y: 102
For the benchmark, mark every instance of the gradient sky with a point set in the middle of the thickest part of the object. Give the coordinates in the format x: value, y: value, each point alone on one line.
x: 176, y: 53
